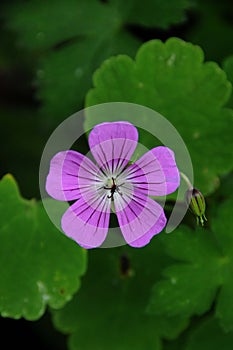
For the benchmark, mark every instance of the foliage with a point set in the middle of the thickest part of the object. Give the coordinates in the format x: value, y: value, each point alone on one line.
x: 69, y: 54
x: 39, y: 265
x: 191, y: 286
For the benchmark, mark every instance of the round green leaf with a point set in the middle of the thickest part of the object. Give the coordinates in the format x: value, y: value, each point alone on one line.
x: 172, y: 79
x: 39, y: 265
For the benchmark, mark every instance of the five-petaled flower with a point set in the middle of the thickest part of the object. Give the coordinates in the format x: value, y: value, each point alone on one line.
x: 112, y: 180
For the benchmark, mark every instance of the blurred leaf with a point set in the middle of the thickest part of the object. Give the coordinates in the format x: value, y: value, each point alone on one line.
x: 156, y: 13
x: 35, y: 21
x: 228, y: 68
x: 208, y: 335
x: 72, y: 38
x: 213, y: 28
x: 70, y: 69
x: 172, y: 79
x: 109, y: 310
x: 204, y: 268
x: 39, y: 265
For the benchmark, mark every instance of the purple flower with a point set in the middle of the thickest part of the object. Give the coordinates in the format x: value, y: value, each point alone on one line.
x: 113, y: 180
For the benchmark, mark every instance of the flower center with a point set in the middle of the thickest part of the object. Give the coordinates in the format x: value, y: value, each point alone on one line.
x: 112, y: 187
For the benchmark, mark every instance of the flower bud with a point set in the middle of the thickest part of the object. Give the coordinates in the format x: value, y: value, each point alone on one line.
x: 196, y: 202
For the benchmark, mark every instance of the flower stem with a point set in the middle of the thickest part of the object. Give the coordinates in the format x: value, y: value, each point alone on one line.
x: 186, y: 179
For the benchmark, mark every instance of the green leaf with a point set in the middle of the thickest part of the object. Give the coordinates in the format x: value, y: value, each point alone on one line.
x: 109, y: 310
x: 228, y: 68
x: 203, y: 272
x: 172, y: 79
x: 39, y: 265
x: 208, y: 335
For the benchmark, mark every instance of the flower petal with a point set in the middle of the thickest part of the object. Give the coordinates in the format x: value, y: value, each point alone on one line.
x: 70, y: 173
x: 112, y: 145
x: 155, y: 173
x: 157, y: 228
x: 86, y: 224
x: 139, y: 217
